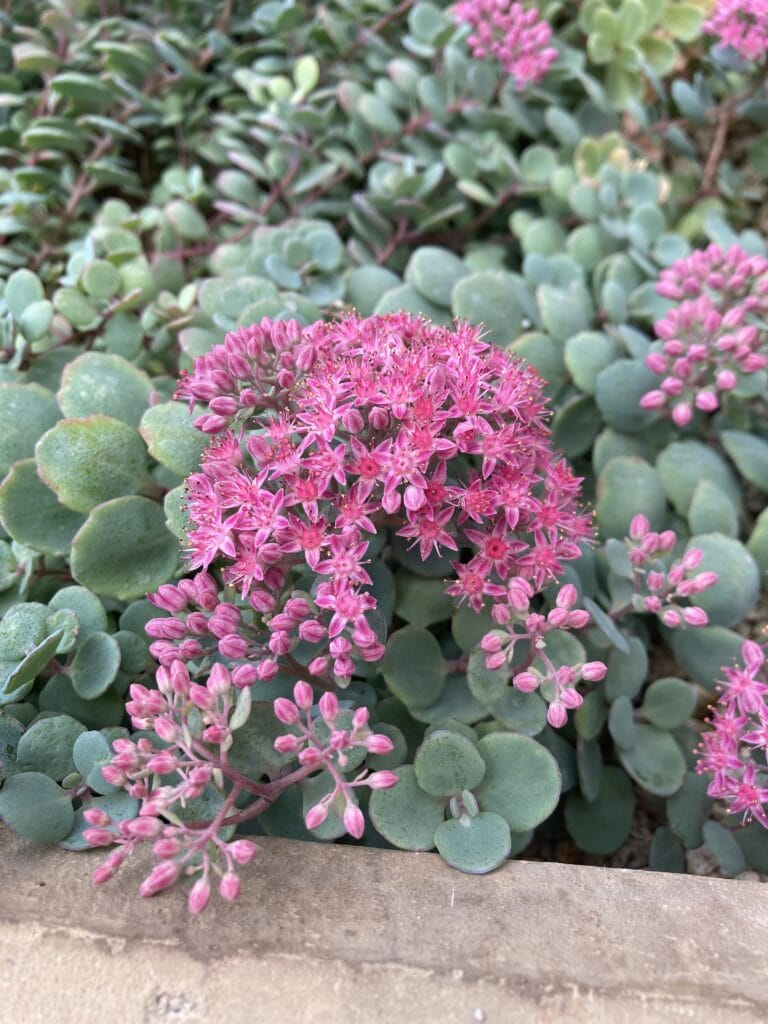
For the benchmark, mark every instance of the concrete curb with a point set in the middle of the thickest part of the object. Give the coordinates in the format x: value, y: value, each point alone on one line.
x: 343, y: 935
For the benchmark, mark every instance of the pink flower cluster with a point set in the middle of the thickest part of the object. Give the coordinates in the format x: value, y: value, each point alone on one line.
x: 330, y: 435
x: 511, y: 33
x: 665, y: 589
x: 557, y: 683
x: 742, y: 24
x: 740, y: 734
x: 331, y: 754
x: 197, y: 723
x: 715, y: 334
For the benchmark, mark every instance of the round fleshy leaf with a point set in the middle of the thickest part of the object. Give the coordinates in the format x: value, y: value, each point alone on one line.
x: 31, y: 666
x: 712, y: 511
x: 169, y: 433
x: 522, y: 780
x: 59, y: 695
x: 366, y: 285
x: 95, y: 665
x: 666, y: 852
x: 90, y: 612
x: 46, y: 746
x: 728, y: 601
x: 253, y: 750
x: 521, y: 712
x: 476, y: 844
x: 99, y: 383
x: 101, y: 279
x: 703, y: 652
x: 22, y: 628
x: 124, y: 550
x: 134, y: 652
x: 621, y: 723
x: 618, y: 390
x: 53, y: 525
x: 26, y: 412
x: 683, y: 464
x: 34, y: 806
x: 11, y: 731
x: 576, y: 425
x: 447, y: 762
x: 626, y: 671
x: 625, y: 488
x: 414, y: 667
x: 468, y: 627
x: 88, y: 461
x: 601, y: 826
x: 119, y: 806
x: 90, y: 753
x: 22, y: 289
x: 455, y: 701
x: 655, y: 761
x: 750, y: 454
x: 405, y: 297
x: 433, y: 567
x: 420, y: 602
x: 669, y: 702
x: 723, y: 845
x: 490, y: 297
x: 405, y: 815
x: 434, y: 271
x: 486, y: 684
x: 689, y: 809
x: 36, y: 320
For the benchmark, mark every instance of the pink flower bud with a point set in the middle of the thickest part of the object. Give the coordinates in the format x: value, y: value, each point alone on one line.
x: 243, y: 850
x: 557, y: 715
x: 491, y: 643
x: 286, y: 711
x: 267, y: 669
x: 201, y: 698
x: 109, y: 868
x: 707, y: 401
x: 318, y: 666
x: 165, y: 729
x: 310, y: 757
x: 312, y: 631
x: 725, y: 380
x: 329, y: 707
x: 316, y: 816
x: 99, y: 837
x: 360, y: 718
x: 526, y: 681
x: 243, y: 675
x: 657, y: 362
x: 557, y: 617
x: 219, y: 680
x: 593, y: 671
x: 653, y: 400
x: 752, y: 655
x: 166, y: 847
x: 671, y: 618
x: 500, y: 614
x: 378, y: 743
x: 494, y: 661
x: 233, y: 646
x: 382, y: 780
x: 692, y: 558
x: 287, y: 744
x: 354, y: 822
x: 567, y: 596
x: 96, y: 816
x: 639, y: 527
x: 303, y: 695
x: 229, y: 887
x: 145, y: 828
x: 199, y: 895
x: 161, y: 877
x: 681, y: 414
x: 695, y: 616
x: 578, y: 619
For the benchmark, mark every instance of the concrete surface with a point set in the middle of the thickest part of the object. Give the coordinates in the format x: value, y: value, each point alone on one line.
x: 334, y: 934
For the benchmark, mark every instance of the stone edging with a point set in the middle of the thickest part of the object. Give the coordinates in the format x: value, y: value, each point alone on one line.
x: 360, y: 936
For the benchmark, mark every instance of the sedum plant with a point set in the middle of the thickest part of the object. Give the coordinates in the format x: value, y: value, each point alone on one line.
x: 593, y: 217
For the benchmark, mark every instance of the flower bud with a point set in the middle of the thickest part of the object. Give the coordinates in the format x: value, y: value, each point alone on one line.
x: 382, y: 780
x: 354, y: 822
x: 229, y: 887
x: 303, y: 695
x: 161, y: 877
x: 96, y: 816
x: 199, y: 895
x: 593, y: 671
x: 695, y: 616
x: 378, y: 743
x: 242, y: 850
x: 329, y: 707
x: 286, y: 711
x: 526, y: 681
x: 316, y: 816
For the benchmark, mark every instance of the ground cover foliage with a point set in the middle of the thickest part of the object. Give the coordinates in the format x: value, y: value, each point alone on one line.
x: 171, y: 173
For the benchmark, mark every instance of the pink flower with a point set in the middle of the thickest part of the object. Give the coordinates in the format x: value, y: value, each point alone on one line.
x: 512, y: 34
x: 741, y: 24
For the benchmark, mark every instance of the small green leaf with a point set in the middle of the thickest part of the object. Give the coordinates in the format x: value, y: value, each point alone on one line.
x: 447, y: 762
x: 666, y: 852
x: 404, y: 814
x: 522, y: 780
x: 171, y: 437
x: 52, y: 527
x: 487, y: 685
x: 413, y: 667
x: 26, y: 412
x: 99, y: 383
x: 32, y: 664
x: 669, y: 702
x: 34, y: 806
x: 46, y: 746
x: 95, y: 665
x: 476, y: 844
x: 602, y: 825
x: 655, y: 761
x: 726, y: 850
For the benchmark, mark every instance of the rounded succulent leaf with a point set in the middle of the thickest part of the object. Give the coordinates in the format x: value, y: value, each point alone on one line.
x: 587, y: 354
x: 90, y: 753
x: 626, y: 487
x: 405, y: 815
x: 171, y: 437
x: 59, y: 695
x: 688, y: 809
x: 11, y: 731
x: 576, y: 425
x: 51, y: 529
x: 476, y: 844
x: 655, y: 761
x: 757, y: 545
x: 521, y: 712
x: 488, y: 685
x: 468, y: 627
x: 600, y: 826
x: 490, y: 297
x: 22, y: 628
x: 34, y: 806
x: 683, y: 464
x: 723, y: 845
x: 434, y: 271
x: 22, y: 289
x: 27, y: 411
x: 46, y: 746
x: 455, y: 701
x: 669, y: 702
x: 366, y: 285
x: 521, y: 782
x: 88, y: 461
x: 728, y: 601
x: 750, y: 454
x: 703, y: 652
x: 618, y: 390
x: 90, y: 612
x: 447, y: 762
x: 96, y: 382
x: 31, y: 665
x: 414, y: 667
x: 712, y: 511
x: 95, y: 665
x: 420, y: 602
x: 124, y: 549
x: 627, y: 671
x: 253, y: 749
